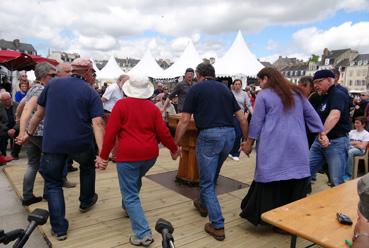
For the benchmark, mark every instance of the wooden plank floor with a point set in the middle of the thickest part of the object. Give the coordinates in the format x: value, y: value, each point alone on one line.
x: 105, y: 226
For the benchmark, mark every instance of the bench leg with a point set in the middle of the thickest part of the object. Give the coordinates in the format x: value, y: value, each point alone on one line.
x: 293, y: 241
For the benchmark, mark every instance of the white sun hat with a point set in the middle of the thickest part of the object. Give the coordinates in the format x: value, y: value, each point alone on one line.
x: 138, y: 87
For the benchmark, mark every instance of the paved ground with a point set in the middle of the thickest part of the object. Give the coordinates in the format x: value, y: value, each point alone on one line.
x: 13, y: 215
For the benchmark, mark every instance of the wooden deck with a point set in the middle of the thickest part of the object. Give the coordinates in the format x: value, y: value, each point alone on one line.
x: 105, y: 226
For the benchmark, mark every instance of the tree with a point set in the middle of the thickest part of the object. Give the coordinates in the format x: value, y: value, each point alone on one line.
x: 314, y: 58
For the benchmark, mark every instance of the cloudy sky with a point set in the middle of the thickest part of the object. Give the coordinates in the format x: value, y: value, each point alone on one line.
x: 126, y: 28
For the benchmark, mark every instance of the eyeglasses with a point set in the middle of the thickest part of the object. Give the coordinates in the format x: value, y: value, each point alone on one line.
x: 52, y: 74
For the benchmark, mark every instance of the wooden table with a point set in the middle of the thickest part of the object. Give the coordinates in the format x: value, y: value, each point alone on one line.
x: 314, y: 217
x: 187, y: 170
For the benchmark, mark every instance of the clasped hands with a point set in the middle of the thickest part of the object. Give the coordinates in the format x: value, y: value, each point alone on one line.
x: 323, y: 140
x: 246, y: 148
x: 176, y: 154
x: 22, y: 138
x: 101, y: 163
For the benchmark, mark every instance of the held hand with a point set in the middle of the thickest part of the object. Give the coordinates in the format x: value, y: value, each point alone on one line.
x: 177, y: 154
x: 22, y: 138
x: 246, y: 148
x: 11, y: 132
x: 324, y: 141
x: 101, y: 163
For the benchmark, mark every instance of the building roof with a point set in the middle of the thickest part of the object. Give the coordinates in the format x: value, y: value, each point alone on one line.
x: 266, y: 64
x: 345, y: 62
x: 362, y: 57
x: 300, y: 67
x: 335, y: 53
x: 16, y: 45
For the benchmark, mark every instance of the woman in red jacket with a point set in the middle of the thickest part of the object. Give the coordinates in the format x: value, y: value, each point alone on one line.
x: 139, y: 126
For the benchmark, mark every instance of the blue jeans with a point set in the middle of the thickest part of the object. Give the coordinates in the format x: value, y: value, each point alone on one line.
x: 130, y: 181
x: 335, y: 155
x: 52, y: 168
x: 237, y: 142
x: 353, y: 152
x: 212, y: 148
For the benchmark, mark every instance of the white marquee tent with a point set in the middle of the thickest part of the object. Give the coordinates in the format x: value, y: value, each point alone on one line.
x: 238, y: 60
x: 147, y: 67
x: 95, y: 67
x: 111, y: 71
x: 189, y: 58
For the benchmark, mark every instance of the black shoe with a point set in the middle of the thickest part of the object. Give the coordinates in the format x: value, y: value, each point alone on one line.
x: 71, y: 168
x: 89, y: 206
x: 31, y: 201
x: 15, y: 156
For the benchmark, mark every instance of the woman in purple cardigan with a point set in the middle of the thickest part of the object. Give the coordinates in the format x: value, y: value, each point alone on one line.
x: 282, y: 153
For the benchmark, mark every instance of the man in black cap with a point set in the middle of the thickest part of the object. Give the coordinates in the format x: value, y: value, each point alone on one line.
x: 181, y: 89
x: 334, y: 113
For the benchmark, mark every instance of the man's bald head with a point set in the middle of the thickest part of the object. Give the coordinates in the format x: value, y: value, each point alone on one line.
x: 64, y: 70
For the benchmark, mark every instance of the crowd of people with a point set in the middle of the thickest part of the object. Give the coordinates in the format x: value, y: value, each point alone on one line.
x: 299, y: 130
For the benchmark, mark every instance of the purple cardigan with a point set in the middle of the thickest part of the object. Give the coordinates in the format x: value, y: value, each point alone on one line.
x: 282, y: 151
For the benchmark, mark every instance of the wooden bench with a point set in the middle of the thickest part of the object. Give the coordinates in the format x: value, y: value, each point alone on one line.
x: 314, y: 217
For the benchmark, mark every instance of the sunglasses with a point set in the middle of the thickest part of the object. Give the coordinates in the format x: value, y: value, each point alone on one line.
x: 52, y: 74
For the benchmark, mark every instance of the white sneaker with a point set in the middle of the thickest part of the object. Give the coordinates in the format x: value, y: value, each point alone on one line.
x: 230, y: 156
x: 236, y: 158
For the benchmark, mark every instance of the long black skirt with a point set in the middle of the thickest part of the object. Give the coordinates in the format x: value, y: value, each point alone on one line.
x: 263, y: 197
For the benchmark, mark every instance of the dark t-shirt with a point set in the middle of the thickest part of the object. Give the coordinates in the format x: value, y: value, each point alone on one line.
x: 339, y: 100
x: 212, y: 105
x: 181, y: 90
x: 70, y: 105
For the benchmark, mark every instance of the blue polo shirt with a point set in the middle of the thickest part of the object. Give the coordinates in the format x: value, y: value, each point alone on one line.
x: 70, y: 105
x: 212, y: 105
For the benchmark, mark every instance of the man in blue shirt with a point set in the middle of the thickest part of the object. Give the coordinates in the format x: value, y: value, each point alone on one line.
x: 73, y: 116
x: 213, y: 107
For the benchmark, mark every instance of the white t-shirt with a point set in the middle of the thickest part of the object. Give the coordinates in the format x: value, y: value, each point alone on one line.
x: 354, y: 135
x: 113, y: 93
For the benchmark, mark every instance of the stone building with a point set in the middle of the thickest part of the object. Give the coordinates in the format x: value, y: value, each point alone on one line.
x: 18, y: 46
x: 63, y: 56
x: 356, y: 77
x: 281, y: 62
x: 295, y: 72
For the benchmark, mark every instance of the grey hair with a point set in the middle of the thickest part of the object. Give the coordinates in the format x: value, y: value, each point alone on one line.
x: 5, y: 94
x: 42, y: 69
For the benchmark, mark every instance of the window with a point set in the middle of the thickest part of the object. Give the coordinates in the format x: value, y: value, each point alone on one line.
x: 362, y: 82
x: 326, y: 62
x: 357, y: 83
x: 350, y: 82
x: 302, y: 72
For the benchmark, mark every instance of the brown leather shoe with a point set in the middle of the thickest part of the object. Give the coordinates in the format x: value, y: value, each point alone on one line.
x: 203, y: 211
x: 218, y: 234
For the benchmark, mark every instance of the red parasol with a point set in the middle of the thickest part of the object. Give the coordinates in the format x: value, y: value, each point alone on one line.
x: 14, y: 60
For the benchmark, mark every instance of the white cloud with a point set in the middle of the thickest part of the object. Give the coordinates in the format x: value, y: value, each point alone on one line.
x: 346, y: 35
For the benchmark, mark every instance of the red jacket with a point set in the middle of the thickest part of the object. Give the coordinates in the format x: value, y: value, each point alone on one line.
x: 139, y: 126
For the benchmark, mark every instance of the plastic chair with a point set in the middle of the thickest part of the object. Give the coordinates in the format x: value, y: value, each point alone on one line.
x: 357, y: 160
